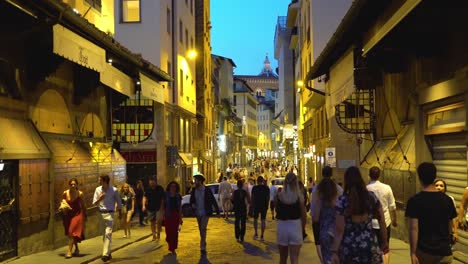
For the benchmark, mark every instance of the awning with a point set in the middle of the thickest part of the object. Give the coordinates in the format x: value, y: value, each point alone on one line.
x: 77, y: 49
x: 381, y: 30
x: 151, y: 89
x: 66, y: 150
x: 20, y: 140
x: 186, y: 158
x: 341, y: 83
x: 117, y: 80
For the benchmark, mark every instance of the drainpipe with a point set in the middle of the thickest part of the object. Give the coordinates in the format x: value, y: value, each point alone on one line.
x: 175, y: 63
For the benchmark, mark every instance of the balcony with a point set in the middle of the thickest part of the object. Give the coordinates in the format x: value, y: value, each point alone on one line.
x: 293, y: 11
x: 293, y: 42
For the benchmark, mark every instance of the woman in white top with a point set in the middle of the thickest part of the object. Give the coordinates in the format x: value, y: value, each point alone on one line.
x: 441, y: 186
x: 291, y: 217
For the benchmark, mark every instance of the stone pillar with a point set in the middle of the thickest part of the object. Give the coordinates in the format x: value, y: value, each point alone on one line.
x: 161, y: 160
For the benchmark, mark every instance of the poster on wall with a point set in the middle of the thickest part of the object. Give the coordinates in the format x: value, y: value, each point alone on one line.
x: 330, y: 157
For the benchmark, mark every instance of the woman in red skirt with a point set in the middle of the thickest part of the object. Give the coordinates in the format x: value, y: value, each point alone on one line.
x: 173, y: 215
x: 73, y: 219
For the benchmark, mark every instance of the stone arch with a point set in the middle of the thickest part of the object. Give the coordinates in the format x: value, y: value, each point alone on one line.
x: 51, y: 114
x: 91, y: 126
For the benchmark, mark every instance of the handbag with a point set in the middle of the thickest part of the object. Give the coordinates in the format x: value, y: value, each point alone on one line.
x: 64, y: 207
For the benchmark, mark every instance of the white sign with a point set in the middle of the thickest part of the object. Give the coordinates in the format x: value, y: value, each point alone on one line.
x: 117, y: 80
x: 344, y: 164
x: 151, y: 89
x: 330, y: 158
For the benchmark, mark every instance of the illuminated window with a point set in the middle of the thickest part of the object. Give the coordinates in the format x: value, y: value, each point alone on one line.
x: 133, y: 119
x: 131, y: 11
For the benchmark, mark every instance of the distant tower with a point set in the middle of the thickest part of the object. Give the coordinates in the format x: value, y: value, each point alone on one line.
x: 267, y: 71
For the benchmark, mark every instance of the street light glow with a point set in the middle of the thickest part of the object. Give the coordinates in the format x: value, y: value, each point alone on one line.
x: 192, y: 54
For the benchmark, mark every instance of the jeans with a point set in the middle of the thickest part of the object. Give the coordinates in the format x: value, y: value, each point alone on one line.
x: 141, y: 214
x: 202, y: 221
x: 108, y: 221
x: 239, y: 224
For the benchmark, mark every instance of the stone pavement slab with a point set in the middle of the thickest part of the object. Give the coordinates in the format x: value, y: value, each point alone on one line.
x: 222, y: 247
x: 90, y: 249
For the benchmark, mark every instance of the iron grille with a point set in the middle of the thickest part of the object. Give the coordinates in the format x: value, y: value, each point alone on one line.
x: 356, y: 114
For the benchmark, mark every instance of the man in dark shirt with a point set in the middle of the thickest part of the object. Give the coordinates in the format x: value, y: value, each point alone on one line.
x: 153, y: 202
x: 260, y: 200
x: 430, y: 214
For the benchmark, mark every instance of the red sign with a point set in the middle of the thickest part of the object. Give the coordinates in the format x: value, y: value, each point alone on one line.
x: 139, y: 156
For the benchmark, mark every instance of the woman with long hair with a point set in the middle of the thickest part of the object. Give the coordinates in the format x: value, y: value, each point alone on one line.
x: 291, y: 217
x: 74, y: 218
x: 173, y: 215
x: 355, y: 240
x: 441, y: 186
x: 128, y: 207
x: 240, y: 199
x: 326, y: 215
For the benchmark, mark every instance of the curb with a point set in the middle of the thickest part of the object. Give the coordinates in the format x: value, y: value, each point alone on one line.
x: 116, y: 249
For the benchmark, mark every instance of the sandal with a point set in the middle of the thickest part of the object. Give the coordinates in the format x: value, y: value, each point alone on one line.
x: 68, y: 255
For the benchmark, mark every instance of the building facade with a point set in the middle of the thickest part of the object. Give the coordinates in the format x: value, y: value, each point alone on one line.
x: 312, y: 23
x: 405, y: 98
x: 59, y: 85
x: 245, y: 105
x: 168, y: 28
x: 205, y: 142
x: 285, y: 106
x: 228, y: 125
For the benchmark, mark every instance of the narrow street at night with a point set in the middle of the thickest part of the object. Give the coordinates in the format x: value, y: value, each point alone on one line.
x: 349, y: 117
x: 222, y: 246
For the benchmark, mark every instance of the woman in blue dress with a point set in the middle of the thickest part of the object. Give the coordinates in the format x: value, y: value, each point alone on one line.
x: 325, y: 212
x: 355, y: 241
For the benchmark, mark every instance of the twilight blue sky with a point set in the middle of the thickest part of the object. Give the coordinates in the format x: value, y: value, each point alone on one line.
x: 244, y: 30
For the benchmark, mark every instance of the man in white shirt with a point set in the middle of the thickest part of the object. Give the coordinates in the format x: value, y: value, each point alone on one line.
x: 108, y: 199
x: 387, y: 200
x: 225, y: 190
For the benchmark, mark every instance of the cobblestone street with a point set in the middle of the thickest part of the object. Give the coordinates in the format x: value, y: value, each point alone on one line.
x: 221, y: 246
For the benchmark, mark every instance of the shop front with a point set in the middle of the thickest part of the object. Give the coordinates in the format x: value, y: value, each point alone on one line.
x: 445, y: 132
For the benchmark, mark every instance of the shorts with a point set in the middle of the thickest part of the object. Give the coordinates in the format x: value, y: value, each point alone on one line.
x: 272, y: 205
x: 289, y: 232
x: 260, y: 211
x: 155, y: 216
x: 379, y: 237
x: 428, y: 258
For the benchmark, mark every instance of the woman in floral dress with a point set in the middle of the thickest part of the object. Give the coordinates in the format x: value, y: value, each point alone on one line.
x: 355, y: 241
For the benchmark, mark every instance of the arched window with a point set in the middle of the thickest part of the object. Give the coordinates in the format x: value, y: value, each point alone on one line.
x: 133, y: 119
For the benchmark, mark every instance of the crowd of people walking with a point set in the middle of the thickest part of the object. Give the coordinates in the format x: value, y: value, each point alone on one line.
x: 351, y: 224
